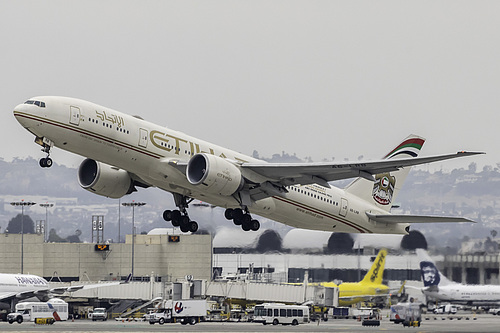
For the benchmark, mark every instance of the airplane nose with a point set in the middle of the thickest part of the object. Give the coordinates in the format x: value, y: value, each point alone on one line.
x: 25, y: 114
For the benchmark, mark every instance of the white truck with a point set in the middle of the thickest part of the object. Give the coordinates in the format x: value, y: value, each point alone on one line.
x: 183, y: 311
x: 494, y: 311
x: 364, y: 313
x: 98, y: 314
x: 446, y: 309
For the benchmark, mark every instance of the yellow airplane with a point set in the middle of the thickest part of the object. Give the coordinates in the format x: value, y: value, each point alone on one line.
x: 370, y: 287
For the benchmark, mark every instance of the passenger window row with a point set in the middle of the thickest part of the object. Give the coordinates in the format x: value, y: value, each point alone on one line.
x: 316, y: 196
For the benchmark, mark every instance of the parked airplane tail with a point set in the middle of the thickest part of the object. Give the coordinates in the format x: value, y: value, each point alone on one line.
x: 376, y: 272
x: 386, y: 186
x: 431, y: 276
x: 54, y: 312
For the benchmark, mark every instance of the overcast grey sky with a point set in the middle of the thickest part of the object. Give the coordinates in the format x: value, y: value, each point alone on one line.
x: 316, y: 78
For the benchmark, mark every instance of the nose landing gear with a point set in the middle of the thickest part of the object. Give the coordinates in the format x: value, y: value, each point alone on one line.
x: 45, y: 162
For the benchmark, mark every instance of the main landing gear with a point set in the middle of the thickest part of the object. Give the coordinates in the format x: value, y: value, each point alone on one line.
x: 180, y: 217
x: 242, y: 218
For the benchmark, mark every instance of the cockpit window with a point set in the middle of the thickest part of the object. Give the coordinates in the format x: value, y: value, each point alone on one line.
x: 37, y: 103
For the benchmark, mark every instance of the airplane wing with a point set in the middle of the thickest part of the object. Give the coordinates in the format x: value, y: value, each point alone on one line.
x: 271, y: 177
x: 8, y: 296
x: 46, y: 293
x: 70, y: 289
x: 268, y: 179
x: 386, y: 218
x: 324, y: 172
x: 5, y: 297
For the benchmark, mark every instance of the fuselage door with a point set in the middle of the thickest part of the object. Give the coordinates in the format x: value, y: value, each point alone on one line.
x: 74, y: 117
x: 143, y: 138
x: 343, y: 207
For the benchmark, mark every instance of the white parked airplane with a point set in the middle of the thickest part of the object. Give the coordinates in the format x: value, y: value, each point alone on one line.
x: 438, y: 287
x: 16, y: 287
x: 124, y: 152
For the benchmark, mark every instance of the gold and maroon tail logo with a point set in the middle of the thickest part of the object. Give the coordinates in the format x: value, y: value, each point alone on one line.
x: 383, y: 188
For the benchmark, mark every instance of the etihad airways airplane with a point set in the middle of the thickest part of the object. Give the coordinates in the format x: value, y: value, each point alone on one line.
x: 437, y: 287
x: 16, y: 287
x: 124, y: 152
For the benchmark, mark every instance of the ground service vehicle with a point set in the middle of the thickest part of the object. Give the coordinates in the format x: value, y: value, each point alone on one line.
x: 494, y: 311
x: 340, y: 312
x: 448, y: 308
x: 278, y: 313
x: 29, y: 311
x: 183, y: 311
x: 399, y: 312
x: 410, y: 314
x: 99, y: 314
x: 160, y: 316
x: 364, y: 313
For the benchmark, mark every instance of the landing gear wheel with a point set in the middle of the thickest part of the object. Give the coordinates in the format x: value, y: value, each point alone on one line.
x: 193, y: 226
x: 255, y: 225
x: 176, y: 215
x: 245, y: 226
x: 185, y: 220
x: 184, y: 227
x: 167, y: 215
x: 237, y: 221
x: 46, y: 162
x: 238, y: 214
x: 228, y: 214
x: 246, y: 219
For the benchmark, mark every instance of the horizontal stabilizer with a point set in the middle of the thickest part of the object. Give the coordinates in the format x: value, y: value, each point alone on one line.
x: 390, y: 218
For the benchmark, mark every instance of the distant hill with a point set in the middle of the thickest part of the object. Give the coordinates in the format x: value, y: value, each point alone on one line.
x: 461, y: 192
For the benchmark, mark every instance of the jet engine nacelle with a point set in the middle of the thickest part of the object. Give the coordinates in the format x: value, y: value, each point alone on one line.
x: 104, y: 179
x: 216, y: 173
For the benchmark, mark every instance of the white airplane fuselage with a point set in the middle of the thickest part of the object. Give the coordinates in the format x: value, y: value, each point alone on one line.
x: 18, y: 283
x: 148, y: 150
x: 466, y: 294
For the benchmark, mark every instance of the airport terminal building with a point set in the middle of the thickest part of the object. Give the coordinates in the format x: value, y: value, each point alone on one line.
x: 168, y: 257
x: 172, y: 256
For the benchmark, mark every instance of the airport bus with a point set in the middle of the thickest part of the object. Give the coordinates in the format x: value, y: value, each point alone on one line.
x: 29, y: 311
x: 278, y: 313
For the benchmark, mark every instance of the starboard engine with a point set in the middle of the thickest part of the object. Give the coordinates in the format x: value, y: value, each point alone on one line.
x: 219, y: 175
x: 104, y: 179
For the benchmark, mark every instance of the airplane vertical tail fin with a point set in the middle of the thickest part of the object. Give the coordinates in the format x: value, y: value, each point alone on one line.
x: 387, y: 185
x: 431, y: 276
x: 376, y: 272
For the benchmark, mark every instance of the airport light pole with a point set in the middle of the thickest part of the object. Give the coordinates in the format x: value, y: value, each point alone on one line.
x: 22, y: 203
x: 46, y: 206
x: 133, y: 204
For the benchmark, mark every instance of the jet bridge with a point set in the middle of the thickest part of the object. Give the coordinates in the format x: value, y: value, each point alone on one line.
x: 272, y: 292
x: 244, y: 290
